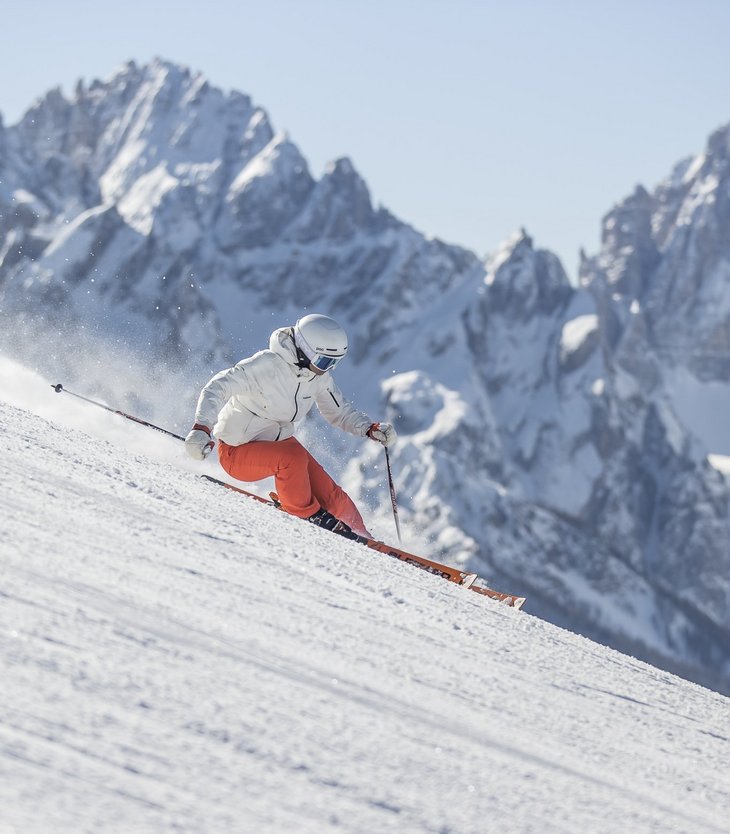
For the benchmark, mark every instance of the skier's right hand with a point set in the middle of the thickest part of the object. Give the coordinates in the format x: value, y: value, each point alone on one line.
x: 198, y: 443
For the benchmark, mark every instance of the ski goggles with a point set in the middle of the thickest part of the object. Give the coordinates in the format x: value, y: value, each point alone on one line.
x: 322, y: 362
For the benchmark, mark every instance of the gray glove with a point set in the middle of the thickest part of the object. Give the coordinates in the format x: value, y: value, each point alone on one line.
x: 199, y: 443
x: 382, y: 433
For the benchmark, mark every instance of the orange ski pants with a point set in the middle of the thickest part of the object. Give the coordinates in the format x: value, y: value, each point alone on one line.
x: 302, y: 484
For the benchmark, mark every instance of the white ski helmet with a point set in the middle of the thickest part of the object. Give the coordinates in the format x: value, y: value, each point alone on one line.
x: 321, y: 340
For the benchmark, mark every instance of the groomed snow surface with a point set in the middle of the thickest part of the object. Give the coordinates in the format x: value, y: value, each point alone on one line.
x: 177, y: 658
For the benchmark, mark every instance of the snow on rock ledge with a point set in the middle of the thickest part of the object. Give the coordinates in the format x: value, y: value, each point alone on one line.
x: 578, y: 340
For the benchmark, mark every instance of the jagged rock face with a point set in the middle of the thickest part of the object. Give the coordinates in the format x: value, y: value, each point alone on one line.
x: 539, y: 439
x: 604, y: 455
x: 629, y: 251
x: 669, y: 254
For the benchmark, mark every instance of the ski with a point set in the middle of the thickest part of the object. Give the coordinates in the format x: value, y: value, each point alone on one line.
x: 248, y: 494
x: 458, y: 577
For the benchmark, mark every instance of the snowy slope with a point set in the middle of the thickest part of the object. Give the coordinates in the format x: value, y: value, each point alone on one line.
x: 177, y: 658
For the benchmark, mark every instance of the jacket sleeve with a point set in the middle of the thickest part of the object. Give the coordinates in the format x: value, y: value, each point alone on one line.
x: 339, y: 412
x: 216, y: 393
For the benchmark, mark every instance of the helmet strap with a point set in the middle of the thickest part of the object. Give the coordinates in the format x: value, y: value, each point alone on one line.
x: 302, y: 358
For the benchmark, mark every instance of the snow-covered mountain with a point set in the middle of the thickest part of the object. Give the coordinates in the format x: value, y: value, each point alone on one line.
x: 177, y: 658
x: 155, y: 228
x: 664, y: 273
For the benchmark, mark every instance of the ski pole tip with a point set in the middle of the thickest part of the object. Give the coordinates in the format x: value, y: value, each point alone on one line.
x: 57, y: 387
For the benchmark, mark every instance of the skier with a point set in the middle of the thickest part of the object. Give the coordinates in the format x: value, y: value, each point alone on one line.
x: 252, y: 409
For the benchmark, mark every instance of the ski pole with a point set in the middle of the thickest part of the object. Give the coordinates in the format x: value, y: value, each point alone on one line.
x: 393, y: 499
x: 58, y: 388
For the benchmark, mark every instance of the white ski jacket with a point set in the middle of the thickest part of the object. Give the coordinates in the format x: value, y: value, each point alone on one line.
x: 262, y: 397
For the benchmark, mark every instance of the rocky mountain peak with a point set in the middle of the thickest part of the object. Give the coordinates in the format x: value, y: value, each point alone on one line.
x: 668, y: 254
x: 629, y: 252
x: 523, y: 280
x: 718, y: 145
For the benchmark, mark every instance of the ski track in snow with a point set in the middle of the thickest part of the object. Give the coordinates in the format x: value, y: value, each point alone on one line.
x: 178, y: 658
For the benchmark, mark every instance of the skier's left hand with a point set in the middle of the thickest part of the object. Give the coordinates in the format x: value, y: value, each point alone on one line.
x: 382, y: 433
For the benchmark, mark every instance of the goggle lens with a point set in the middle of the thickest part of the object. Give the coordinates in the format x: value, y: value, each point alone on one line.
x: 325, y: 363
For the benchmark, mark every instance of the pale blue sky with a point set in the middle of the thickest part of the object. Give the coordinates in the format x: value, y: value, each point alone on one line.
x: 466, y: 119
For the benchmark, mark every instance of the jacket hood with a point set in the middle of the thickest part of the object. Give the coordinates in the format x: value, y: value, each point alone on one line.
x: 281, y: 342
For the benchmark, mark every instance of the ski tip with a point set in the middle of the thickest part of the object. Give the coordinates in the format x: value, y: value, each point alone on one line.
x: 509, y: 600
x: 513, y: 602
x: 468, y: 580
